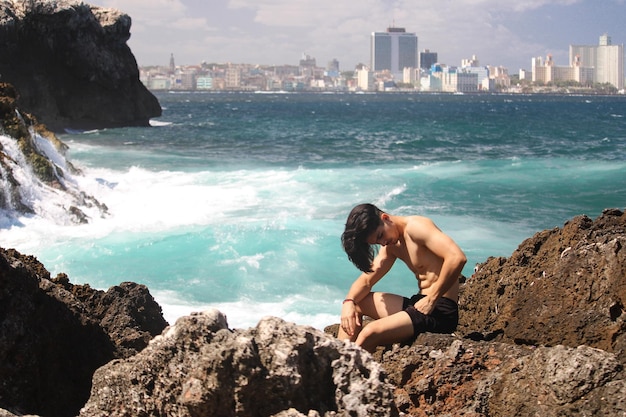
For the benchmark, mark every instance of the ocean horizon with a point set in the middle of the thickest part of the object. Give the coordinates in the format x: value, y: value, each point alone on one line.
x: 237, y: 201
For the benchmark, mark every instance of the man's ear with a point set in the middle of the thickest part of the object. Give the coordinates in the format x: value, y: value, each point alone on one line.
x: 385, y: 217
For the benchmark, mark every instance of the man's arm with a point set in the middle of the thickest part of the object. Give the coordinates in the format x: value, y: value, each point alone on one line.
x: 453, y: 260
x: 350, y: 317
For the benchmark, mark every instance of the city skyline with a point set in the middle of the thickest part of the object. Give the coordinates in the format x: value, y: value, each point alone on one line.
x: 277, y: 32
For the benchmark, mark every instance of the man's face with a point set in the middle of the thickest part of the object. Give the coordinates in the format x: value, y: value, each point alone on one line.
x: 385, y: 234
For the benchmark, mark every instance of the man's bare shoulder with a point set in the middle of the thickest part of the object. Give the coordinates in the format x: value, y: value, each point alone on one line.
x: 419, y: 221
x: 419, y: 227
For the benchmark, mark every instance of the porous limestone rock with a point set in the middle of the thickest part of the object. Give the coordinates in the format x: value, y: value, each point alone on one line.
x: 445, y: 375
x: 200, y: 367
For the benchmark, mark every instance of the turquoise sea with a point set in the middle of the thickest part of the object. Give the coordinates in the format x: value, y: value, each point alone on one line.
x: 237, y: 200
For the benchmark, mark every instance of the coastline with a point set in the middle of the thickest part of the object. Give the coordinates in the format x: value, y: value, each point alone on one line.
x: 492, y: 365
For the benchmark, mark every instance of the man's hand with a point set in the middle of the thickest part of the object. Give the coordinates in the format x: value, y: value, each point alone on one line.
x: 350, y: 319
x: 426, y: 305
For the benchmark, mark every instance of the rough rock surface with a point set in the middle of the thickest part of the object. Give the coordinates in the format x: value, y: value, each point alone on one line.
x: 199, y: 367
x: 445, y: 375
x: 556, y: 351
x: 54, y: 335
x: 562, y: 286
x: 541, y: 333
x: 71, y: 65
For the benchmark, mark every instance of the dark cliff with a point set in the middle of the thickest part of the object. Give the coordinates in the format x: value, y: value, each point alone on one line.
x: 71, y: 66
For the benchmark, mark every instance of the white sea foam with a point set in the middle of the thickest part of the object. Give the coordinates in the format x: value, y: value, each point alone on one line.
x: 159, y: 123
x: 247, y: 313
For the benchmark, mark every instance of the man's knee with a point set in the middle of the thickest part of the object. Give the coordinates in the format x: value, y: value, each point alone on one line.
x: 369, y: 333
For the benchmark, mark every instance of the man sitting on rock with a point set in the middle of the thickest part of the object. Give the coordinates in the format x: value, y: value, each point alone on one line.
x: 434, y: 258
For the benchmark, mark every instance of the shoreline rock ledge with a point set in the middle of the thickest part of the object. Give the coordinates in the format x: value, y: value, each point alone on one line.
x: 71, y: 66
x: 542, y: 333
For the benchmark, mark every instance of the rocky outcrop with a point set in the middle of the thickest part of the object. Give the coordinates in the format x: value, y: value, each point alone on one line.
x: 446, y: 375
x: 71, y: 66
x: 541, y: 333
x: 54, y: 335
x: 199, y: 367
x: 512, y: 360
x: 562, y: 286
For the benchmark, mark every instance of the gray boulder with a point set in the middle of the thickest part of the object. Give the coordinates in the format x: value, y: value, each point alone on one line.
x: 200, y: 367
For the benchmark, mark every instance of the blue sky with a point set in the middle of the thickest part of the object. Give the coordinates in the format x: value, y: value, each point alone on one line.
x: 267, y: 32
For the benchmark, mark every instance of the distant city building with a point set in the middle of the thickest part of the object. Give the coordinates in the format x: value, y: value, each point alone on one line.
x: 365, y: 79
x: 307, y: 65
x: 433, y: 79
x: 204, y: 83
x: 393, y: 51
x: 172, y: 65
x: 396, y: 64
x: 332, y: 69
x: 427, y: 59
x: 232, y: 77
x: 472, y: 66
x: 525, y: 74
x: 333, y: 65
x: 472, y: 62
x: 606, y: 59
x: 547, y: 72
x: 500, y: 76
x: 307, y: 61
x: 455, y: 80
x: 430, y: 83
x: 159, y: 83
x: 411, y: 76
x: 184, y: 81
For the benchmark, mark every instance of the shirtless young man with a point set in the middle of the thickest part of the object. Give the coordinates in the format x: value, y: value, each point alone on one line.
x: 434, y: 258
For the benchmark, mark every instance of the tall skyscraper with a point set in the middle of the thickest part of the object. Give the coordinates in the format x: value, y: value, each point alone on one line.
x: 393, y: 50
x: 172, y: 65
x: 427, y: 59
x: 606, y: 59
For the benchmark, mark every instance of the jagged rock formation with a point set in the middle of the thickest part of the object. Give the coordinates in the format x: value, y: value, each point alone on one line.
x: 447, y: 375
x: 54, y: 335
x: 199, y: 367
x: 551, y: 352
x: 71, y: 66
x: 541, y: 333
x: 562, y: 286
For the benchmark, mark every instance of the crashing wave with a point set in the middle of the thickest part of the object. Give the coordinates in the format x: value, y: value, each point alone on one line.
x: 35, y: 176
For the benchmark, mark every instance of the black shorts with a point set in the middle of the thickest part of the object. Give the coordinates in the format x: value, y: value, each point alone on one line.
x: 443, y: 319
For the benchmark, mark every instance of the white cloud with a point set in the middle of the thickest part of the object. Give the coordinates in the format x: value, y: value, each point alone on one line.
x: 151, y: 12
x: 279, y: 31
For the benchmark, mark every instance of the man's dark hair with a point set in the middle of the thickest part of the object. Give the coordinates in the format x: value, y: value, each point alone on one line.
x: 362, y: 221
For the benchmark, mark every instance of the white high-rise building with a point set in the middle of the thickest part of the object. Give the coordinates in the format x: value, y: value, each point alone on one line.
x: 393, y: 51
x: 365, y: 79
x: 606, y: 59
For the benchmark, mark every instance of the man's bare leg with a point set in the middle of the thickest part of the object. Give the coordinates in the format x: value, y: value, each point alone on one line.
x: 390, y: 323
x: 384, y: 331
